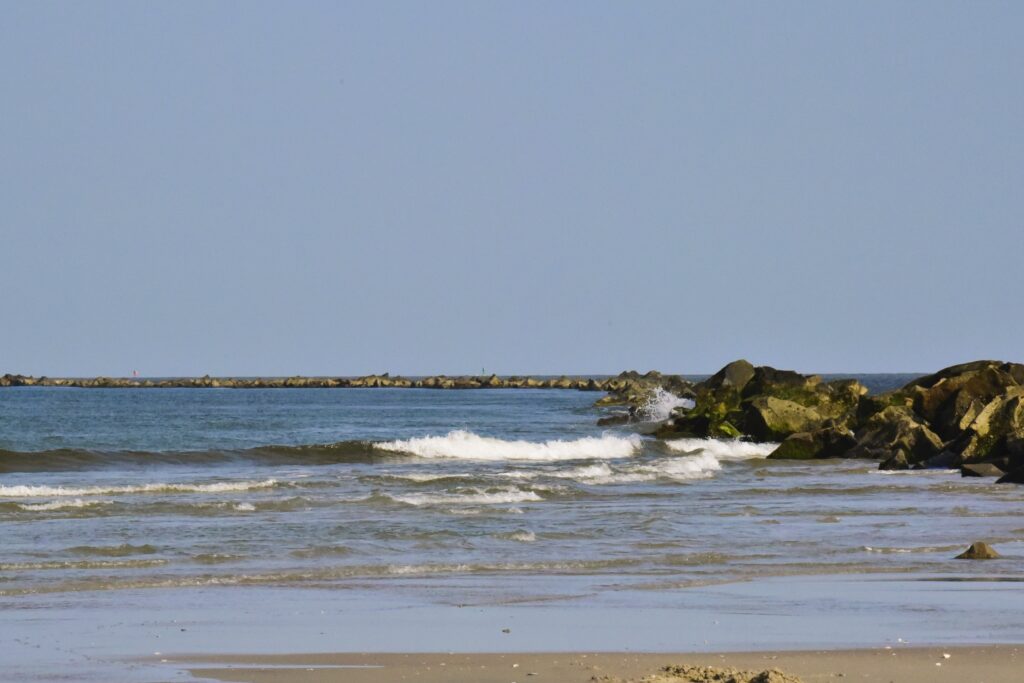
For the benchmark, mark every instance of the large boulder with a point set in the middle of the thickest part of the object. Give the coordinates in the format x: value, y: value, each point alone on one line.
x: 896, y: 435
x: 736, y: 375
x: 830, y: 442
x: 767, y: 418
x: 996, y: 430
x: 952, y: 398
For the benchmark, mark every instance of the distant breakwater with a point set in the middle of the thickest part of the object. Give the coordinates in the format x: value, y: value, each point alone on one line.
x: 611, y: 384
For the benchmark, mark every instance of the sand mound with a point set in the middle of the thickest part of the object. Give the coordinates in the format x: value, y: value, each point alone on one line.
x: 708, y: 674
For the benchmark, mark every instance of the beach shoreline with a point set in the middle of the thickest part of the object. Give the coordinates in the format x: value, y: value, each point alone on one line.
x: 917, y: 664
x: 279, y: 633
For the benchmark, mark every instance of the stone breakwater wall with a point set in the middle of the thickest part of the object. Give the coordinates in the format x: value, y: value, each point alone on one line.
x: 369, y: 381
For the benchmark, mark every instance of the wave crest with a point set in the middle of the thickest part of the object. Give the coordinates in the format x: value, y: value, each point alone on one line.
x: 723, y: 449
x: 469, y: 446
x: 471, y: 496
x: 27, y: 491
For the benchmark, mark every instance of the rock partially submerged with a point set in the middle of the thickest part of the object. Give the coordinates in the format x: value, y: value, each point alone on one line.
x: 979, y: 551
x: 829, y: 442
x: 981, y: 469
x: 1014, y: 477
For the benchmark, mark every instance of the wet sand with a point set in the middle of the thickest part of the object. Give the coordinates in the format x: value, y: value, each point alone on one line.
x: 975, y: 664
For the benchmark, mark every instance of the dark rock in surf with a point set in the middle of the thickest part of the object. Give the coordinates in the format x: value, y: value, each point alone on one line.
x: 1014, y: 477
x: 980, y: 469
x: 614, y: 420
x: 895, y: 435
x: 830, y: 442
x: 944, y: 460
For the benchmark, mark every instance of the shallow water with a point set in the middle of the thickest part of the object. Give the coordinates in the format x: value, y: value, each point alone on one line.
x: 487, y: 498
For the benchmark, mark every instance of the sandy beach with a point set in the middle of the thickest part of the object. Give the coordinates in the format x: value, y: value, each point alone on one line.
x: 984, y: 664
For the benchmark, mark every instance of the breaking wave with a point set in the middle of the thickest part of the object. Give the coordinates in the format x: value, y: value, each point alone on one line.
x: 469, y: 446
x: 23, y: 491
x: 60, y: 504
x: 470, y: 496
x: 722, y: 449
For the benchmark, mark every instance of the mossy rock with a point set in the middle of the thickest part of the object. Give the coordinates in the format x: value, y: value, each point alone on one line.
x: 893, y: 431
x: 771, y: 419
x: 830, y: 442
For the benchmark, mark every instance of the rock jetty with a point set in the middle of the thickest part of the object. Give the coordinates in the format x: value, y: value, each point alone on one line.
x: 968, y: 416
x: 369, y: 381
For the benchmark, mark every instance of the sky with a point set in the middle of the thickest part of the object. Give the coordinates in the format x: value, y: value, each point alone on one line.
x: 253, y: 188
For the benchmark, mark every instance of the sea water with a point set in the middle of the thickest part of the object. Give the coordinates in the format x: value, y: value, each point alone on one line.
x: 125, y: 507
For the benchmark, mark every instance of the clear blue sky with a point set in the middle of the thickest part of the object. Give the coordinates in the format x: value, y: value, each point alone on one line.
x: 342, y: 188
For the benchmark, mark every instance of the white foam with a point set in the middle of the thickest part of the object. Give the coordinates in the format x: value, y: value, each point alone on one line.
x: 596, y: 471
x: 58, y: 491
x: 723, y: 449
x: 661, y: 403
x: 473, y: 496
x: 469, y: 446
x: 402, y: 569
x: 680, y: 468
x: 583, y: 473
x: 700, y: 466
x: 914, y: 472
x: 423, y: 478
x: 61, y: 504
x: 917, y: 549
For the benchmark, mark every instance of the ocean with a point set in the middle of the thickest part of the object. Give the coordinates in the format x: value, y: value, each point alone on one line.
x: 126, y: 507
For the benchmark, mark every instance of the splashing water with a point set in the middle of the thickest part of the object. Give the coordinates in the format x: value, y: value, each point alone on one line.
x: 661, y: 403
